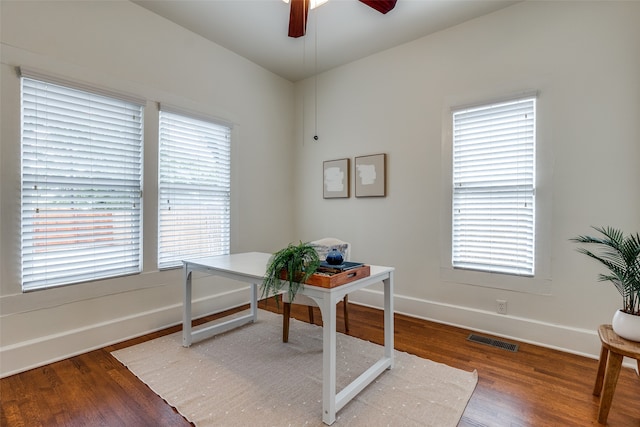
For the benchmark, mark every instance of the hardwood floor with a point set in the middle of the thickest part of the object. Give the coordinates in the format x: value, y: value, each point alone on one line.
x: 532, y: 387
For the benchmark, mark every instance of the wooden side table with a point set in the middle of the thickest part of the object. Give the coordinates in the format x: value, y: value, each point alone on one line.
x: 613, y: 350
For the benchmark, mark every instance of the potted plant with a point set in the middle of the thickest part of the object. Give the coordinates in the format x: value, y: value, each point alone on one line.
x: 621, y: 255
x: 295, y: 264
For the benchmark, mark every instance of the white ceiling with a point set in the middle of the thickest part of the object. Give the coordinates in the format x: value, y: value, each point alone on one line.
x: 346, y: 30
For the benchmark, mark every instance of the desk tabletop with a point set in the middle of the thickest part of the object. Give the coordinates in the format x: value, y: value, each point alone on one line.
x: 254, y: 264
x: 249, y: 264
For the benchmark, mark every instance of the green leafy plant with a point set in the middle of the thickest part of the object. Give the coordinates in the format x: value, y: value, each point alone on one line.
x: 296, y: 263
x: 621, y: 255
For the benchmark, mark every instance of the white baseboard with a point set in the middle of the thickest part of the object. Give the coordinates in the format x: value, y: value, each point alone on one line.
x: 582, y: 342
x: 33, y: 353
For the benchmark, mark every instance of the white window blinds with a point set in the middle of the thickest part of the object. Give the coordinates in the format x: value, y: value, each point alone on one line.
x: 194, y: 188
x: 494, y: 187
x: 81, y: 185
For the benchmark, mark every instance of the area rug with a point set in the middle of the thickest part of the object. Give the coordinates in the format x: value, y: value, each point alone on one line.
x: 249, y: 377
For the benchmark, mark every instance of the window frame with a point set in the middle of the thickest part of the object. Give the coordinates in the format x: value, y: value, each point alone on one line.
x: 87, y: 190
x: 493, y: 187
x: 218, y: 243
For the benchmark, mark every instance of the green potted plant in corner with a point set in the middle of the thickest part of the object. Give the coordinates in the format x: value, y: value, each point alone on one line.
x: 621, y: 255
x: 295, y: 264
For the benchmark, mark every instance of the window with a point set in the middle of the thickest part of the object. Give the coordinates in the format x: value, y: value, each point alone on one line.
x: 193, y: 189
x: 81, y: 184
x: 493, y: 201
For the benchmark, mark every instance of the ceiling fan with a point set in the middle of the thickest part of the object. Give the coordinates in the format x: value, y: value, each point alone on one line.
x: 300, y: 10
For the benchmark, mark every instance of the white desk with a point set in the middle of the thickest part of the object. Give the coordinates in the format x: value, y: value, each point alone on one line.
x: 250, y: 268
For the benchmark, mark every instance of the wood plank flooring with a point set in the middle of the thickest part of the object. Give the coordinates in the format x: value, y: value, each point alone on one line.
x: 532, y: 387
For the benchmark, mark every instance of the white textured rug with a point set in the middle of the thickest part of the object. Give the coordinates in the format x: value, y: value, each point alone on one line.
x: 249, y: 377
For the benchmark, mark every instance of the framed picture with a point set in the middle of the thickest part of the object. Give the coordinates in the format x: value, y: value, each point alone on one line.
x: 335, y: 180
x: 370, y: 174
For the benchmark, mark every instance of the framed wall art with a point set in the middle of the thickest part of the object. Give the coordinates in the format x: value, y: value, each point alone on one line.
x: 370, y: 175
x: 335, y: 180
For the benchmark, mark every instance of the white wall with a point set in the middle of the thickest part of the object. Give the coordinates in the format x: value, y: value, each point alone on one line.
x: 583, y: 59
x: 123, y: 47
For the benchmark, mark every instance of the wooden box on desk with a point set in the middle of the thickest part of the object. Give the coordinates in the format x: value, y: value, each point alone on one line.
x: 325, y: 280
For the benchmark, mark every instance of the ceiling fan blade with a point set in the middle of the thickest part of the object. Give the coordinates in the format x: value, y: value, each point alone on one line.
x: 298, y: 17
x: 382, y: 6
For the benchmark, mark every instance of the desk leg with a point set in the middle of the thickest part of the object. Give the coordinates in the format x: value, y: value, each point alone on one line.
x: 388, y: 319
x: 614, y: 363
x: 328, y: 360
x: 254, y: 302
x: 186, y: 309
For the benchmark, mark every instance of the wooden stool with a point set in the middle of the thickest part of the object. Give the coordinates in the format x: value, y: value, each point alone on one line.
x: 613, y: 350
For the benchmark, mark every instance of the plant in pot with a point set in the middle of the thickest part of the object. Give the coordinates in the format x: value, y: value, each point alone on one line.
x: 621, y: 255
x: 295, y: 264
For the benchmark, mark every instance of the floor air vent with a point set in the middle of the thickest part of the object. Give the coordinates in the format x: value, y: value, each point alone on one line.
x: 493, y: 342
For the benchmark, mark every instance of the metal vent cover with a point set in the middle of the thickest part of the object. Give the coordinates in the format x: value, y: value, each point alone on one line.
x: 493, y: 342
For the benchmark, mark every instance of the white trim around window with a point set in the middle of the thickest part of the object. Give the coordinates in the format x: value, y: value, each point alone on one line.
x: 513, y: 257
